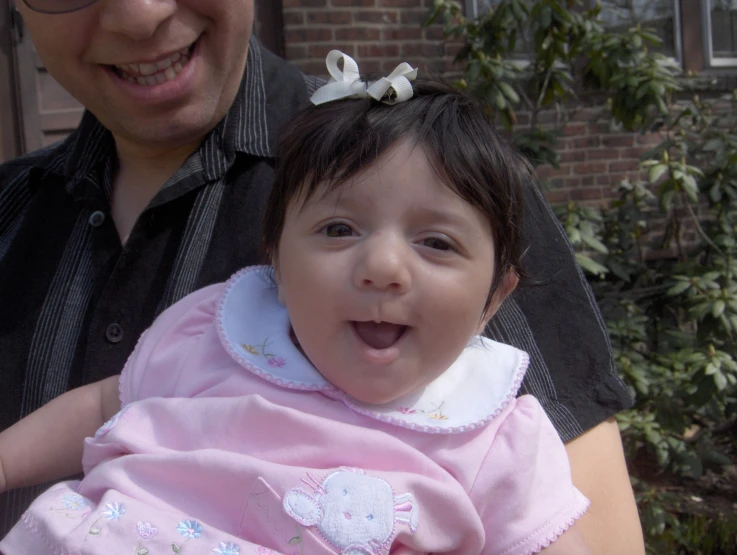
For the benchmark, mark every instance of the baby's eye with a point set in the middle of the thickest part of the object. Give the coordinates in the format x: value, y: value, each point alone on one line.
x: 338, y: 230
x: 437, y: 244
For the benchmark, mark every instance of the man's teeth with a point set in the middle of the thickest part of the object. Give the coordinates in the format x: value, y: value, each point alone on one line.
x: 156, y: 73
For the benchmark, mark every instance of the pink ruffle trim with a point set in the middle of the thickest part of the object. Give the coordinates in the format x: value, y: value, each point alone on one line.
x: 555, y: 534
x: 558, y: 532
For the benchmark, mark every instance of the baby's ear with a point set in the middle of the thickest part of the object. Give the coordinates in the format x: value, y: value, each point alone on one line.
x: 503, y: 290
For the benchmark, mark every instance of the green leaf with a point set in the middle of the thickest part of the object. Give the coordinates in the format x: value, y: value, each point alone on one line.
x: 595, y: 244
x: 720, y: 380
x: 590, y: 266
x: 656, y: 172
x: 718, y: 309
x: 546, y: 16
x: 713, y: 145
x: 509, y: 92
x: 693, y: 463
x: 295, y: 540
x: 94, y: 531
x: 176, y: 548
x: 716, y: 457
x: 666, y: 200
x: 142, y: 551
x: 678, y: 288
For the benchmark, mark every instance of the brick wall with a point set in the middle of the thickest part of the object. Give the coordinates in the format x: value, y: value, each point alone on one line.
x: 381, y: 33
x: 377, y: 33
x: 596, y: 155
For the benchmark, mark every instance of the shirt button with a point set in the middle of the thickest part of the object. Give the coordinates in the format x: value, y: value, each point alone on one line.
x: 96, y: 218
x: 114, y: 333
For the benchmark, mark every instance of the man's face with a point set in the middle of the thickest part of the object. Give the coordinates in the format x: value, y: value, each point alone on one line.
x: 154, y: 72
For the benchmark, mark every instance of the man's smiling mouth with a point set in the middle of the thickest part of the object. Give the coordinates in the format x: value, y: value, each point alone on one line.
x: 156, y: 73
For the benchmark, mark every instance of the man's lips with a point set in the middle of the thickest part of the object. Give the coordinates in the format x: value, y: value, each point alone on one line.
x: 379, y: 335
x: 155, y: 73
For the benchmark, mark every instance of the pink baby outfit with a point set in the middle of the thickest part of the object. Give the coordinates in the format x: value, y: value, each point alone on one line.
x: 230, y: 442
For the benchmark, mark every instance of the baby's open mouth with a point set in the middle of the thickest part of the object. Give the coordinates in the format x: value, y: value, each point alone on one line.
x: 379, y: 335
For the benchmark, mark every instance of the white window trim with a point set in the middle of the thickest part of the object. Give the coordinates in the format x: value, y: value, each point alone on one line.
x: 472, y: 7
x: 710, y: 60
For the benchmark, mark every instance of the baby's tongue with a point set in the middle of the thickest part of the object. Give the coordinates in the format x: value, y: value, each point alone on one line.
x: 379, y: 336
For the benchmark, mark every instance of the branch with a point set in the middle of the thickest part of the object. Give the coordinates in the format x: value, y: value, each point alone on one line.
x: 699, y: 229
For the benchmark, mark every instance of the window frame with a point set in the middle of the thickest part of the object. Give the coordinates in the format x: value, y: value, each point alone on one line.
x: 709, y: 59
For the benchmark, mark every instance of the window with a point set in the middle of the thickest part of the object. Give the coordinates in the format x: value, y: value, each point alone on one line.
x: 698, y: 34
x: 720, y: 32
x: 662, y: 16
x: 522, y: 47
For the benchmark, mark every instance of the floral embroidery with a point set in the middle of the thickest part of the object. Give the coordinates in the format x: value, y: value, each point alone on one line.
x: 146, y: 531
x: 264, y: 551
x: 435, y: 414
x: 75, y: 502
x: 271, y: 359
x: 114, y: 511
x: 190, y: 529
x: 75, y: 506
x: 276, y: 362
x: 229, y: 549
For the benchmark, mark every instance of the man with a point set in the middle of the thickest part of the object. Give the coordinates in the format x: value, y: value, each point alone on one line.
x: 161, y: 190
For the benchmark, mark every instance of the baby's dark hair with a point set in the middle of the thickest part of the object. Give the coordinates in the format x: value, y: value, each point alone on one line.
x: 331, y: 143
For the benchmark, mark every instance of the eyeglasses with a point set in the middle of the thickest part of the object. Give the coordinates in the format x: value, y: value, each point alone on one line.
x: 57, y: 6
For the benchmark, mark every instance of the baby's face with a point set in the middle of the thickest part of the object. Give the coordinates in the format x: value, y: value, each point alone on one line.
x: 385, y: 279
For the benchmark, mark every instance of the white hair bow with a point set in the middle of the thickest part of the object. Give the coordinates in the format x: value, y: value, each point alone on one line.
x: 395, y: 87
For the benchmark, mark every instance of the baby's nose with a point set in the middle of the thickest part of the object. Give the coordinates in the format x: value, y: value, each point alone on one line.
x: 384, y: 265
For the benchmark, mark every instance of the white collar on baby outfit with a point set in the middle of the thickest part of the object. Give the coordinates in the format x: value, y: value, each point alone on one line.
x: 254, y: 328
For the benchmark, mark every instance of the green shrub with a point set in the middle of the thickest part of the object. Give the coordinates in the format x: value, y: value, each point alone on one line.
x: 672, y: 319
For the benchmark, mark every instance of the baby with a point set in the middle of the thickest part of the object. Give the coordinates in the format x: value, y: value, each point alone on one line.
x: 339, y: 400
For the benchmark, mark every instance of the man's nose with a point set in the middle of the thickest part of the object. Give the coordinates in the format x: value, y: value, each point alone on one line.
x: 384, y: 264
x: 136, y: 19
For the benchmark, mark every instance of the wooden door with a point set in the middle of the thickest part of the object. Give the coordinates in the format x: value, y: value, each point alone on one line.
x: 10, y: 134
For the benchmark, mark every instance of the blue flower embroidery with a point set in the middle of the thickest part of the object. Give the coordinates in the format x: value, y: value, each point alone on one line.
x: 74, y: 502
x: 190, y: 529
x: 114, y: 511
x: 227, y: 549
